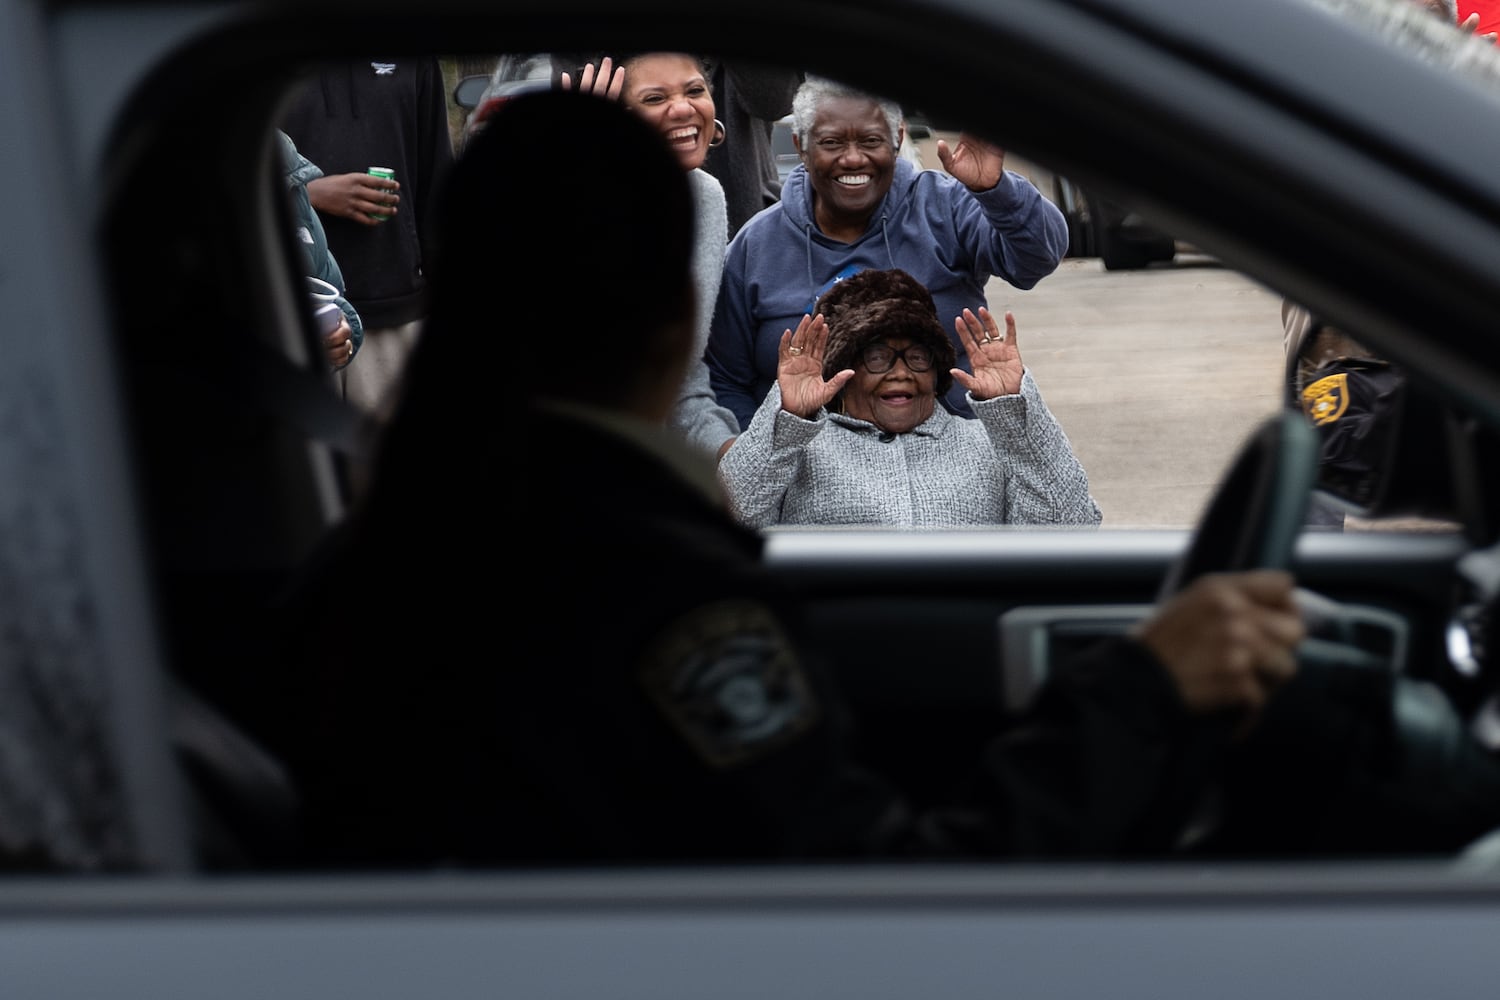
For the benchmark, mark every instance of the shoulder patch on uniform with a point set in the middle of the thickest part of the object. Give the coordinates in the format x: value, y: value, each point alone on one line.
x: 727, y: 678
x: 1327, y: 399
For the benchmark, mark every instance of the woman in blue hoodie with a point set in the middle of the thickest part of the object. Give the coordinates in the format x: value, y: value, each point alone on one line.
x: 854, y: 204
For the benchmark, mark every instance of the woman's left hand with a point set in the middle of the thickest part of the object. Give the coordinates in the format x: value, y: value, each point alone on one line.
x: 995, y: 357
x: 977, y: 164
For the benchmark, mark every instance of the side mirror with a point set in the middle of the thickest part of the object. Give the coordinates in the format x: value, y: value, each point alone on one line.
x: 469, y: 91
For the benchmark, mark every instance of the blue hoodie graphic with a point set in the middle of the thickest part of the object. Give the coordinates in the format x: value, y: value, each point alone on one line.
x: 929, y: 225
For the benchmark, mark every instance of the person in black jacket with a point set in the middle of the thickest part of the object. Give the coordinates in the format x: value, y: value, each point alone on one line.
x: 750, y: 99
x: 383, y: 113
x: 593, y: 664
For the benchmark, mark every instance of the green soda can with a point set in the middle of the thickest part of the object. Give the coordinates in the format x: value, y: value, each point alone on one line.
x: 384, y: 173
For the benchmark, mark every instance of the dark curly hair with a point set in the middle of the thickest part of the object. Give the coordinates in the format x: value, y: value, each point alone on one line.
x: 873, y: 305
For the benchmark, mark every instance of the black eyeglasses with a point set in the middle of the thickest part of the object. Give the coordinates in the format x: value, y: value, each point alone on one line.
x: 879, y: 358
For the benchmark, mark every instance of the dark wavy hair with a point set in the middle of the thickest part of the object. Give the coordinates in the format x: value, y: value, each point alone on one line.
x: 574, y: 62
x: 873, y: 305
x: 565, y: 226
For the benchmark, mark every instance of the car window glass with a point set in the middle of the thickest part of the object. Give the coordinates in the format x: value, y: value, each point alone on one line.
x: 1156, y: 366
x: 1156, y: 358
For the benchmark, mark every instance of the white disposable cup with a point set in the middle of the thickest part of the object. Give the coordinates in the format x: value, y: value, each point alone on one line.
x: 328, y: 316
x: 326, y: 309
x: 321, y: 291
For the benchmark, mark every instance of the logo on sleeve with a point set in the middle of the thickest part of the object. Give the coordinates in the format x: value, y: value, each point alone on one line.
x: 1327, y: 399
x: 727, y: 679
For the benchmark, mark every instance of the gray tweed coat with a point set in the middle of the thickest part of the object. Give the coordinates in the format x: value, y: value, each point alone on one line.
x: 1011, y: 465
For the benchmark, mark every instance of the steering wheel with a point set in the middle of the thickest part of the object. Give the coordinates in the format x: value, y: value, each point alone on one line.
x: 1254, y: 517
x: 1435, y: 798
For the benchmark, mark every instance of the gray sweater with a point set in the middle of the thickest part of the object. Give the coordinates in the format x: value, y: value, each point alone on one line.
x: 1011, y: 465
x: 697, y: 416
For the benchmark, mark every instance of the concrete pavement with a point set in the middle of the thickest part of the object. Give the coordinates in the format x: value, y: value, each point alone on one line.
x: 1157, y: 375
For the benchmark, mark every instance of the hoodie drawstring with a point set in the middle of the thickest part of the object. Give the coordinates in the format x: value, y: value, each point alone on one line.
x: 807, y: 243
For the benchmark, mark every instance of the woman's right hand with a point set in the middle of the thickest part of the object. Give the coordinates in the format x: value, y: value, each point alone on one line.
x: 607, y: 81
x: 799, y: 369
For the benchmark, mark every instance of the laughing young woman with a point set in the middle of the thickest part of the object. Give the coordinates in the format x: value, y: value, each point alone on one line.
x: 670, y: 91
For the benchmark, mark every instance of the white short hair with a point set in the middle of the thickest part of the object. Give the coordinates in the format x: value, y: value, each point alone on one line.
x: 815, y: 90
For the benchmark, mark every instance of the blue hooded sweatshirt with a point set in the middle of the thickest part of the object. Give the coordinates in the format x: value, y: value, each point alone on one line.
x: 929, y: 225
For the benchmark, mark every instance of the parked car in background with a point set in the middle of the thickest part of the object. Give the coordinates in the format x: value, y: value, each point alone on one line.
x: 172, y: 456
x: 1096, y: 228
x: 784, y: 147
x: 1119, y: 237
x: 482, y: 96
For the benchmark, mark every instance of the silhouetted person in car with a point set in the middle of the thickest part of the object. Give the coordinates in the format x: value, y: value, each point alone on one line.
x: 593, y: 664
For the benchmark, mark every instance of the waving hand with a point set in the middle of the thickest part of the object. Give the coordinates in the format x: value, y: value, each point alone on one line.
x: 979, y: 165
x: 995, y: 357
x: 607, y: 81
x: 799, y: 369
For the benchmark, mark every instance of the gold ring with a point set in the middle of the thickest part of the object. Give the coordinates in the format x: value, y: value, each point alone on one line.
x: 351, y: 347
x: 794, y: 350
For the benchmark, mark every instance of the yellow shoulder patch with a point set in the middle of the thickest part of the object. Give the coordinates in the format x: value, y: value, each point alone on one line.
x: 728, y: 680
x: 1326, y: 399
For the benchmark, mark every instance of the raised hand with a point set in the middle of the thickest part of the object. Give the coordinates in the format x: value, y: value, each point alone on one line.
x: 1471, y: 26
x: 607, y: 81
x: 995, y: 357
x: 977, y: 164
x: 799, y: 369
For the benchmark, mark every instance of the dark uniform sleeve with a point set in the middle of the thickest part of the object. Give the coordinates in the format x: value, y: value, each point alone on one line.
x: 1106, y: 761
x: 766, y: 738
x: 1341, y: 760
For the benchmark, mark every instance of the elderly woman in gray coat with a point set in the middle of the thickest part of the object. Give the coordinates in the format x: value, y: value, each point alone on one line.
x: 852, y: 432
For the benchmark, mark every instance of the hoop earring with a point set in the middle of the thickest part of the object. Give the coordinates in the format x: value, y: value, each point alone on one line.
x: 719, y: 135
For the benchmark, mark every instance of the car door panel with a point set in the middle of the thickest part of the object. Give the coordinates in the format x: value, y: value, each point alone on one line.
x: 938, y: 637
